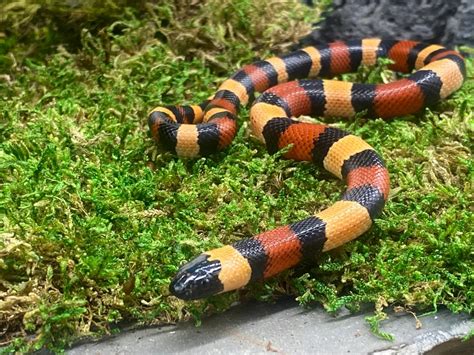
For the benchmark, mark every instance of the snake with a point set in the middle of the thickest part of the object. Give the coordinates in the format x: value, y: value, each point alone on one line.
x: 294, y: 84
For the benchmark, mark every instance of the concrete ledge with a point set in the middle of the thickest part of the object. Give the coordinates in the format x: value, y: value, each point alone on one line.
x: 284, y: 327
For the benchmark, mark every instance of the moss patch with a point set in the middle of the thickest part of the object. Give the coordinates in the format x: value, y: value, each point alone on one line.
x: 94, y: 220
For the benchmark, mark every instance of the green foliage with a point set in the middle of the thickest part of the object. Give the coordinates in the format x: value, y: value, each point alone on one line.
x: 222, y: 33
x: 94, y: 220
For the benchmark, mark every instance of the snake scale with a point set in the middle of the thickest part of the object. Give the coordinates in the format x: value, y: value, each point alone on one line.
x: 199, y: 130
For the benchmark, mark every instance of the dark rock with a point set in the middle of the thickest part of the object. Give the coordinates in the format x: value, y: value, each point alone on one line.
x: 434, y: 21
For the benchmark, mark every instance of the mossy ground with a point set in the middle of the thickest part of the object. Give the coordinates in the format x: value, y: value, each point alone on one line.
x: 94, y: 220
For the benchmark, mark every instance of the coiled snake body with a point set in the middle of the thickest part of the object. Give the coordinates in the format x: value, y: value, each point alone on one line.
x: 197, y: 130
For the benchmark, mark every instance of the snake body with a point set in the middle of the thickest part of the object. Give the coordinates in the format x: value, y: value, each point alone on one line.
x: 198, y: 130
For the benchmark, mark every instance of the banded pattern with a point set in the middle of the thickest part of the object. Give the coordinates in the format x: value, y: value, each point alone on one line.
x: 439, y: 73
x: 196, y: 130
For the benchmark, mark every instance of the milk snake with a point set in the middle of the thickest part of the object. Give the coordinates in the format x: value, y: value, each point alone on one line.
x: 198, y: 130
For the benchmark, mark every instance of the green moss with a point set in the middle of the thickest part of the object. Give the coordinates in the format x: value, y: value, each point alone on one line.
x: 95, y: 220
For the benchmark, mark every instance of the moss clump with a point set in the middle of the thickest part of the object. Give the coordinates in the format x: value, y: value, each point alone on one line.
x: 94, y: 221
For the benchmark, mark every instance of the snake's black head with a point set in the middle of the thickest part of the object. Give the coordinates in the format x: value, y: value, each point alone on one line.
x: 197, y: 279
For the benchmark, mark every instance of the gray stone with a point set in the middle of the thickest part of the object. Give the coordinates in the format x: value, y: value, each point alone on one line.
x: 433, y: 21
x: 284, y: 327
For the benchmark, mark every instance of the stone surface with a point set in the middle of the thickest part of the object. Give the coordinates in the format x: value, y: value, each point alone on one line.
x: 285, y: 327
x: 434, y: 21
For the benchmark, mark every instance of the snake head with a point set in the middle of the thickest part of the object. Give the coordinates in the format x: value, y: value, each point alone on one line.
x: 197, y: 279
